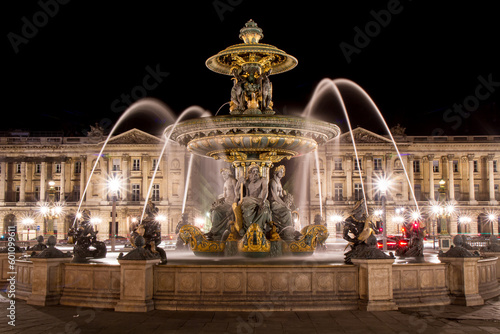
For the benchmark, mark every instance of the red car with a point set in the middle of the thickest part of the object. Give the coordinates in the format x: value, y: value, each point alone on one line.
x: 393, y: 243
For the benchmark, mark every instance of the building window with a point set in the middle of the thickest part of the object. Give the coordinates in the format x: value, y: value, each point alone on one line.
x: 377, y: 163
x: 358, y: 164
x: 78, y: 167
x: 418, y: 191
x: 416, y: 166
x: 436, y: 192
x: 38, y: 168
x: 58, y: 168
x: 37, y: 193
x: 339, y: 191
x: 136, y: 192
x: 57, y: 194
x: 457, y: 192
x: 455, y: 166
x: 136, y: 164
x: 116, y: 165
x: 18, y: 168
x: 495, y: 167
x: 358, y: 192
x: 154, y: 162
x: 156, y: 192
x: 76, y: 193
x: 17, y: 194
x: 476, y: 191
x: 435, y: 166
x: 476, y: 166
x: 338, y: 163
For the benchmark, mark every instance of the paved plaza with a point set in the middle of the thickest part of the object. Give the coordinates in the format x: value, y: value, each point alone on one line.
x: 66, y: 319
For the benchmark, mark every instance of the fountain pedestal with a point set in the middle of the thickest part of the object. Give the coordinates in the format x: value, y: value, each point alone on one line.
x: 463, y: 277
x: 48, y: 285
x: 136, y: 285
x: 375, y: 284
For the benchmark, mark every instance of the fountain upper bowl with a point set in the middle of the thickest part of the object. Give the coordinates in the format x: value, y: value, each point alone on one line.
x: 252, y: 137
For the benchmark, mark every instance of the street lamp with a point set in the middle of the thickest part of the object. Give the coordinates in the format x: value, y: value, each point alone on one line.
x: 491, y: 217
x: 28, y: 222
x: 442, y: 211
x: 51, y: 210
x: 114, y: 186
x: 383, y: 184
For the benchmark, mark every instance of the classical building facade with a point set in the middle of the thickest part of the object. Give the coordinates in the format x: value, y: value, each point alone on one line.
x: 466, y: 166
x: 38, y: 169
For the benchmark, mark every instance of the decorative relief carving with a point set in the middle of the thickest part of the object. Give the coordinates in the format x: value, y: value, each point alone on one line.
x: 209, y: 281
x: 325, y: 282
x: 279, y: 282
x: 256, y: 282
x: 302, y: 282
x: 232, y: 281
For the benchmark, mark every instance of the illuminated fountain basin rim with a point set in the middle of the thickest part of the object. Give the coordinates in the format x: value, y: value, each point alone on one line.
x: 250, y: 137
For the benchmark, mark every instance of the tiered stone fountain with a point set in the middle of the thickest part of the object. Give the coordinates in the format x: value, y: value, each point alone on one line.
x: 253, y: 136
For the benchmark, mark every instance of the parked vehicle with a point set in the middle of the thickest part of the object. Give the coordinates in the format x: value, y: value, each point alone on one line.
x: 393, y: 242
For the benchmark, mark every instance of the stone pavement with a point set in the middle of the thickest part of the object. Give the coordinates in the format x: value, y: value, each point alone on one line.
x: 74, y: 320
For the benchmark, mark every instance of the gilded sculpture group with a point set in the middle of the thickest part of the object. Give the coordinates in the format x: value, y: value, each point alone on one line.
x: 254, y: 217
x: 252, y: 200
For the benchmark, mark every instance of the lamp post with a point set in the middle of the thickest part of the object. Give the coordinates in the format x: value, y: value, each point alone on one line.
x: 51, y: 211
x: 27, y: 222
x: 383, y: 184
x: 114, y: 185
x: 442, y: 211
x: 491, y: 218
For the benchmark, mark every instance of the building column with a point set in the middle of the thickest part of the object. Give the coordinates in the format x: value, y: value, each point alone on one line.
x: 491, y: 179
x: 472, y: 194
x: 104, y: 175
x: 69, y: 185
x: 145, y: 174
x: 126, y: 176
x: 164, y: 181
x: 369, y: 172
x: 388, y: 174
x: 406, y: 186
x: 3, y: 178
x: 451, y: 178
x: 348, y: 171
x: 83, y: 168
x: 62, y: 182
x: 43, y: 179
x: 411, y: 176
x: 431, y: 177
x: 328, y: 178
x: 22, y: 187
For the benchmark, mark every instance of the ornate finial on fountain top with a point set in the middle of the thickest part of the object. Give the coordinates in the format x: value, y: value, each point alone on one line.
x: 251, y: 33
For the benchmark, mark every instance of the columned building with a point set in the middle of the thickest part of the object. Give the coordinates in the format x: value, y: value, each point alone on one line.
x: 51, y: 171
x: 47, y: 170
x: 459, y: 173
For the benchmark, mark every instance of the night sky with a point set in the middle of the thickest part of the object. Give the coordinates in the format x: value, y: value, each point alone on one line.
x: 421, y: 61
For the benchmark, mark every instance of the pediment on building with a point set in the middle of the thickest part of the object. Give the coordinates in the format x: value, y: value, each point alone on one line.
x: 134, y: 136
x: 363, y: 136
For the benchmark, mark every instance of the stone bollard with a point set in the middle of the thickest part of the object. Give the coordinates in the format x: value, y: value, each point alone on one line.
x: 463, y: 280
x: 48, y: 281
x: 136, y: 285
x: 375, y: 284
x: 497, y: 255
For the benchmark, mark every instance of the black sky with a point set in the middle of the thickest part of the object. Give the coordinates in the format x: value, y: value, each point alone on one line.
x: 426, y: 59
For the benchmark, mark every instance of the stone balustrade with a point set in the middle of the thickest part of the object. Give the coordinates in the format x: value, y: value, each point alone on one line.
x: 141, y: 286
x: 420, y: 284
x: 488, y: 281
x: 92, y: 285
x: 240, y: 287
